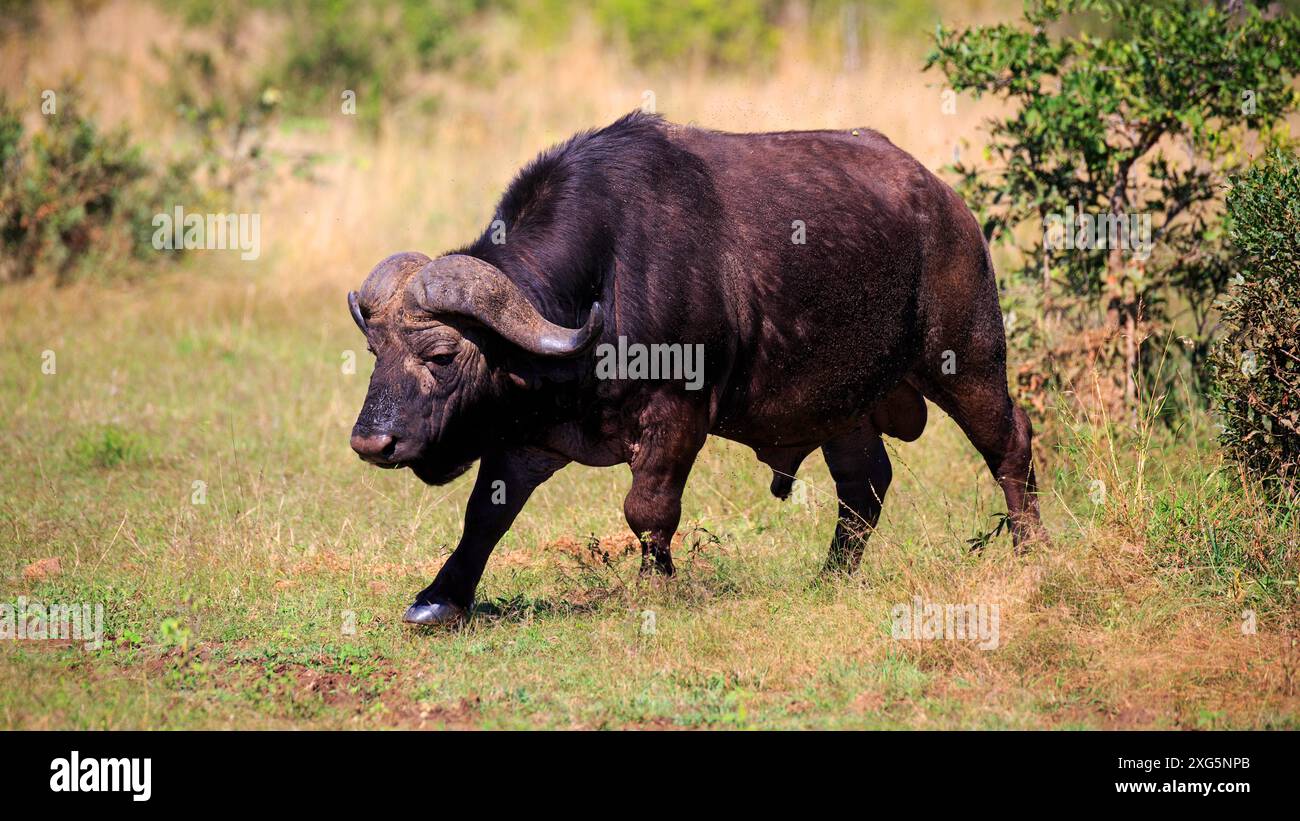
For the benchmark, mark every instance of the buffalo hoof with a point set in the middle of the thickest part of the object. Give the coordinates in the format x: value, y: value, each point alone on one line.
x: 438, y: 613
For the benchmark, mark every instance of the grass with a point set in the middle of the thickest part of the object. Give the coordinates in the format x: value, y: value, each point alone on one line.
x: 188, y: 465
x: 275, y: 601
x: 106, y: 447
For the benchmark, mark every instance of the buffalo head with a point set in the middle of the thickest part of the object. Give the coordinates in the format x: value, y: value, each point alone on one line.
x: 445, y: 333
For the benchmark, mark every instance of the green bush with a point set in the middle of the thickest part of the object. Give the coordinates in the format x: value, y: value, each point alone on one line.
x: 370, y: 47
x: 1100, y: 96
x: 73, y: 198
x: 1257, y: 362
x: 229, y: 120
x: 729, y: 33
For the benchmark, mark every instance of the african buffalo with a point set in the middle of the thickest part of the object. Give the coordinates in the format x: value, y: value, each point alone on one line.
x: 827, y: 278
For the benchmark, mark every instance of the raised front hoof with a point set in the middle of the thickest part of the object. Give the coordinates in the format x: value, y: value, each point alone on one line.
x: 438, y: 614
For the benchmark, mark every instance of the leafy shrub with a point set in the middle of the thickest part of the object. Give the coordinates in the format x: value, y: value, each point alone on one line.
x: 230, y: 120
x: 369, y: 48
x: 727, y: 33
x: 326, y: 47
x: 1135, y: 113
x: 1257, y: 363
x: 73, y: 198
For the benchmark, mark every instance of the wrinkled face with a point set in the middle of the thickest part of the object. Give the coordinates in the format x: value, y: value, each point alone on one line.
x: 428, y: 380
x: 435, y: 403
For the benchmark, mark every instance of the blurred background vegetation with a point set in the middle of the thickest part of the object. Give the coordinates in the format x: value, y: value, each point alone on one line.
x: 110, y: 109
x: 1164, y: 393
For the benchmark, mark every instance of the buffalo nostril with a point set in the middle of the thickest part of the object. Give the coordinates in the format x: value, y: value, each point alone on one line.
x: 379, y: 446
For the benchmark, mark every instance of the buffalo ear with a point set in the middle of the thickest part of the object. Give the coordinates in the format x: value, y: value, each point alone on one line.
x: 540, y: 372
x: 522, y: 371
x: 355, y: 308
x: 526, y: 381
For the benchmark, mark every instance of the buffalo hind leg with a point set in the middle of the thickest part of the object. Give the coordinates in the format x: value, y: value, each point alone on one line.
x: 963, y: 370
x: 860, y: 467
x: 1003, y: 435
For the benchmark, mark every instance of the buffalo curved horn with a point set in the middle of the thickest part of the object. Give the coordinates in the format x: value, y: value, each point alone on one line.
x: 461, y: 284
x: 356, y: 311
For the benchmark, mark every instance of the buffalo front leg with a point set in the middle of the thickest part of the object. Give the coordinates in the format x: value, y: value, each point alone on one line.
x: 504, y: 483
x: 653, y: 506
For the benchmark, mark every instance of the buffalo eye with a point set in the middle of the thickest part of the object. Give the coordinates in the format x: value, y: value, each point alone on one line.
x: 442, y: 359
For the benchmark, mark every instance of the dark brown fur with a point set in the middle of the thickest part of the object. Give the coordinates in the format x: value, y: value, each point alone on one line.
x: 684, y: 236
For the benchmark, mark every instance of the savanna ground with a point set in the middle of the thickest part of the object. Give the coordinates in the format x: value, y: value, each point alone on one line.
x: 276, y: 602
